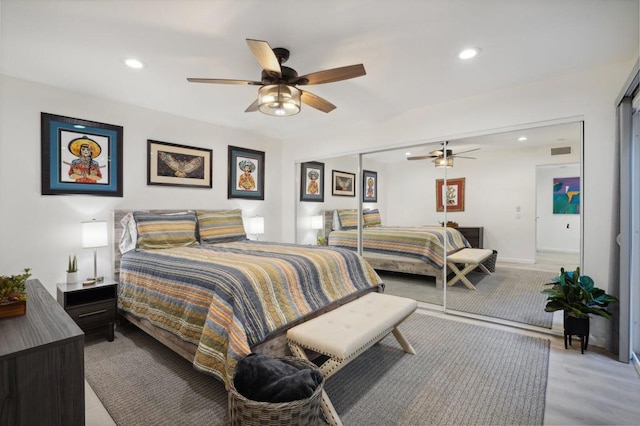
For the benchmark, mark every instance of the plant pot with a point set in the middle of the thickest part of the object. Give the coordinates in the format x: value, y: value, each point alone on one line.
x: 72, y: 277
x: 576, y: 327
x: 13, y: 309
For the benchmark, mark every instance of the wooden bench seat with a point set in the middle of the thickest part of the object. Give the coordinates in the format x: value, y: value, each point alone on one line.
x: 346, y: 332
x: 471, y: 258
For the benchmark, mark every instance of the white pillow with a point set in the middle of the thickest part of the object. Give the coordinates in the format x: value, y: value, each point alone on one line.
x: 129, y: 235
x: 335, y: 223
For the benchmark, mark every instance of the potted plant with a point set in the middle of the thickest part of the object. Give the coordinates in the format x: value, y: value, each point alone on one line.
x: 72, y: 270
x: 578, y: 297
x: 13, y: 294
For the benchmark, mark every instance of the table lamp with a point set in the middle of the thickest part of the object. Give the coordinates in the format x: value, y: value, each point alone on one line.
x: 95, y: 235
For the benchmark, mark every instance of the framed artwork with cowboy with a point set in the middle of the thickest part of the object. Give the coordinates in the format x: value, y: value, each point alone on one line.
x: 312, y: 181
x: 246, y: 173
x: 80, y: 156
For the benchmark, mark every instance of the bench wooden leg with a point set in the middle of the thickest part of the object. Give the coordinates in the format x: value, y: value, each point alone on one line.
x: 403, y: 341
x: 461, y: 275
x: 328, y: 411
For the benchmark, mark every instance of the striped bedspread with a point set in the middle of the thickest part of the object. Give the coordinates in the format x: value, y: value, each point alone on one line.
x: 425, y: 242
x: 227, y: 297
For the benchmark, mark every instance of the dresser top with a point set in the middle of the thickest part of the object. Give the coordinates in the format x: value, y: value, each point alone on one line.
x: 45, y: 323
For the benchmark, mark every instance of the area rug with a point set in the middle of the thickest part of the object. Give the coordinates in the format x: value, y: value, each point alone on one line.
x: 462, y: 374
x: 510, y: 294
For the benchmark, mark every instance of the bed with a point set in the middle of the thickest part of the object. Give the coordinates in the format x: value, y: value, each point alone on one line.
x: 219, y: 300
x: 413, y: 250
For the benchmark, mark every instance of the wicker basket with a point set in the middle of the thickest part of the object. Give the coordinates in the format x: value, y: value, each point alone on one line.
x: 245, y: 412
x: 490, y: 263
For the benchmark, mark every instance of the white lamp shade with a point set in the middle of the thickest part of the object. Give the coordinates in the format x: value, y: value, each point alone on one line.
x: 317, y: 222
x: 94, y: 234
x: 256, y: 225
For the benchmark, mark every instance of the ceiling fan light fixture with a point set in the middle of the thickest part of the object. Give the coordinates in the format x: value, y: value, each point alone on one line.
x: 442, y: 162
x: 279, y: 99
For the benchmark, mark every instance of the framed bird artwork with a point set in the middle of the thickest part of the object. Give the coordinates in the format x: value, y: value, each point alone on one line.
x: 343, y: 183
x: 178, y: 165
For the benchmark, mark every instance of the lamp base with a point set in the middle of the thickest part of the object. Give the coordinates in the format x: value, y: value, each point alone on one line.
x: 95, y: 279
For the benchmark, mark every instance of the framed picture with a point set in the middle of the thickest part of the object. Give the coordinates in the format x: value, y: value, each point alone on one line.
x: 80, y: 156
x: 343, y: 183
x: 312, y: 181
x: 453, y: 193
x: 566, y: 195
x: 178, y: 165
x: 246, y: 173
x: 369, y: 187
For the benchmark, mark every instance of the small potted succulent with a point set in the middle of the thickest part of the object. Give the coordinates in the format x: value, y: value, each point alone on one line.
x: 72, y: 270
x: 13, y: 294
x: 578, y: 297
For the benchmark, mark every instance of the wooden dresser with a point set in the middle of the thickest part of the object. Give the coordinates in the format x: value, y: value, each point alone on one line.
x: 41, y: 364
x: 475, y: 235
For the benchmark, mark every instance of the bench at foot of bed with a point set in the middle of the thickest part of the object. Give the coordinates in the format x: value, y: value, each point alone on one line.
x: 346, y: 332
x: 471, y: 258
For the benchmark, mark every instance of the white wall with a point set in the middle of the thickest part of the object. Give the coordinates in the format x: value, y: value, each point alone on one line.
x: 585, y: 94
x: 40, y: 232
x: 555, y: 232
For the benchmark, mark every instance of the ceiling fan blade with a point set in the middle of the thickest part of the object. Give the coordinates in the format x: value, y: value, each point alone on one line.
x: 316, y: 102
x: 335, y: 74
x: 437, y: 153
x: 464, y: 152
x: 265, y: 56
x: 222, y: 81
x: 420, y: 157
x: 253, y: 107
x: 468, y: 158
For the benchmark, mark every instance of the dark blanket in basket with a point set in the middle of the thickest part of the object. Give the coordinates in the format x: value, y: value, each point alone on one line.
x: 265, y: 379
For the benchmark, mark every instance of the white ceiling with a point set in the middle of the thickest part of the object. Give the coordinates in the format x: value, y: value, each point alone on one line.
x: 409, y: 49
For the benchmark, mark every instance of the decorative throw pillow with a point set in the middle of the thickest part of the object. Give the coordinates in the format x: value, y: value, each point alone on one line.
x: 348, y: 219
x: 129, y: 237
x: 220, y: 226
x: 159, y: 231
x: 372, y: 218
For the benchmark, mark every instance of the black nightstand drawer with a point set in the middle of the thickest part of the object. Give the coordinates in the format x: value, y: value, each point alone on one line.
x: 91, y: 306
x: 93, y: 315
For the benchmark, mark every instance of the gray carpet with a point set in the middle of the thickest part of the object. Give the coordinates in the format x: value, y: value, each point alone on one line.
x: 461, y: 374
x: 511, y: 294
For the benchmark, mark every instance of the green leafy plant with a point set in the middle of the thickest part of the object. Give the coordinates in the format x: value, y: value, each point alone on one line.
x: 73, y: 264
x: 12, y: 287
x: 322, y: 241
x: 577, y: 295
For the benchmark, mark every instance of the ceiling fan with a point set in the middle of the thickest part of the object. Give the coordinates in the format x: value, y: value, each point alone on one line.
x: 439, y: 157
x: 279, y: 94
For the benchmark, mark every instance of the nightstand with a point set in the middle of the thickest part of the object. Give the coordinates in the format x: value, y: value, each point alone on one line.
x: 91, y: 306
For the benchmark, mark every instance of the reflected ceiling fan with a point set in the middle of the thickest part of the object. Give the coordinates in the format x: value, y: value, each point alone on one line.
x: 439, y: 157
x: 279, y: 94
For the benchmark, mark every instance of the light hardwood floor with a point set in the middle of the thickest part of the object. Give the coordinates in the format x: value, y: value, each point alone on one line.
x: 591, y: 388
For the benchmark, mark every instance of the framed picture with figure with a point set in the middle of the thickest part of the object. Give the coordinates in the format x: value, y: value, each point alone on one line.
x: 80, y: 156
x: 369, y: 186
x: 312, y: 181
x: 246, y: 173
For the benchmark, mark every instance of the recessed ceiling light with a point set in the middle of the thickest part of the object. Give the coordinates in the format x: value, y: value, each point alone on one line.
x: 407, y: 153
x: 522, y: 138
x: 468, y: 53
x: 133, y: 63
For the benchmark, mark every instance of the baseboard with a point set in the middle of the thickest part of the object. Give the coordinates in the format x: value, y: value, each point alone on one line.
x: 636, y: 362
x: 557, y: 250
x: 515, y: 260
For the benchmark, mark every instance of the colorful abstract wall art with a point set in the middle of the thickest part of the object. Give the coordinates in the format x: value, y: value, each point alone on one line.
x: 566, y: 195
